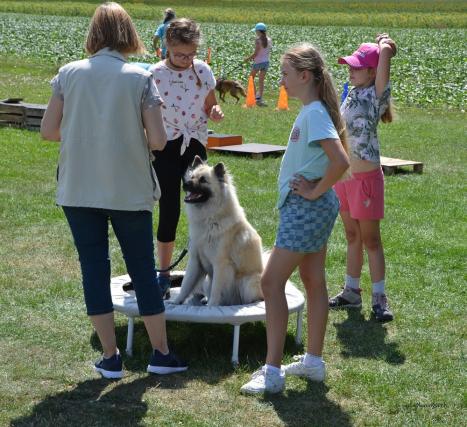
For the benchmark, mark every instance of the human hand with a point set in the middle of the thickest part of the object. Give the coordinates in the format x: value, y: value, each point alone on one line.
x: 216, y: 114
x: 301, y: 186
x: 384, y: 38
x: 159, y: 52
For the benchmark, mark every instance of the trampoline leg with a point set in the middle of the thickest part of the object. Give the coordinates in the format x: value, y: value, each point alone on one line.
x: 129, y: 336
x: 298, y: 335
x: 236, y: 340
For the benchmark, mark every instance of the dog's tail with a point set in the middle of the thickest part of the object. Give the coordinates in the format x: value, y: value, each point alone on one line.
x: 240, y: 88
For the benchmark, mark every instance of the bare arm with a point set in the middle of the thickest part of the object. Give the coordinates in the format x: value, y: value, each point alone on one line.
x: 155, y: 129
x: 212, y: 108
x: 50, y: 124
x: 387, y: 49
x: 257, y: 48
x: 338, y: 164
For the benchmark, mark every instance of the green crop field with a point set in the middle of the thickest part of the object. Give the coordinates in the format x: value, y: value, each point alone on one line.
x: 429, y: 69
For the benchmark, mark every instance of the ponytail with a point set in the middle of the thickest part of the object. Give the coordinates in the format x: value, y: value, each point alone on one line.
x: 306, y: 57
x: 263, y: 38
x: 388, y: 115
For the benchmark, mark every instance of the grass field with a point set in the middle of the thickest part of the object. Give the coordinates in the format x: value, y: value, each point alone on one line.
x: 410, y: 372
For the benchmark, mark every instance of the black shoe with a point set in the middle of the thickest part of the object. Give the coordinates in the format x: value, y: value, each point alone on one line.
x: 164, y: 282
x: 165, y: 363
x: 380, y: 308
x: 347, y: 298
x: 111, y: 368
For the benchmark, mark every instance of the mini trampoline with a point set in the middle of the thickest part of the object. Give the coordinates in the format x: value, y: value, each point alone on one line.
x: 235, y: 315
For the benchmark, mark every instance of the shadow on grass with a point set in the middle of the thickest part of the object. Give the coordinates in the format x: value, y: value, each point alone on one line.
x: 366, y: 338
x: 206, y: 347
x: 309, y: 407
x: 88, y: 404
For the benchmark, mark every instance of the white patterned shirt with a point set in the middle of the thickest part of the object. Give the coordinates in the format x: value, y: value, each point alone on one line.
x: 362, y: 110
x: 183, y: 109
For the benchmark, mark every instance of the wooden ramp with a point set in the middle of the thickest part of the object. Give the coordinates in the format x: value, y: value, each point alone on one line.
x: 15, y: 113
x: 390, y: 165
x: 256, y: 151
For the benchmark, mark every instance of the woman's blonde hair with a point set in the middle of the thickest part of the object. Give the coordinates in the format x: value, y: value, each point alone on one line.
x: 306, y: 57
x: 112, y: 27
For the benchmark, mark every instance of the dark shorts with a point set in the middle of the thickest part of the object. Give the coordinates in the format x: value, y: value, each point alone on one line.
x: 261, y: 66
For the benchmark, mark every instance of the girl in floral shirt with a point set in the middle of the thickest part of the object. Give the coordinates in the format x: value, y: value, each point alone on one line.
x: 362, y: 195
x: 186, y: 86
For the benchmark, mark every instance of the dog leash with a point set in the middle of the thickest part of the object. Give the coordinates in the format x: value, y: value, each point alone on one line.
x: 172, y: 266
x: 128, y: 286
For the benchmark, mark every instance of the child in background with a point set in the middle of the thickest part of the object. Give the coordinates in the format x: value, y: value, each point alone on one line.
x: 260, y: 56
x: 186, y: 86
x: 362, y: 195
x: 314, y: 160
x: 158, y: 37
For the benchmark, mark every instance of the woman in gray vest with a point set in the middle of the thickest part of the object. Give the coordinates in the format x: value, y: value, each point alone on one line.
x: 106, y: 113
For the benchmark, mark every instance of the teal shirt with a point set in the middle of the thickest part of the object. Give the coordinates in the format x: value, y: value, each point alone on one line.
x: 304, y: 154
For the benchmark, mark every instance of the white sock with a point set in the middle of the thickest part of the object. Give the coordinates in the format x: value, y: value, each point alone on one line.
x: 273, y: 369
x: 311, y: 360
x: 352, y: 282
x: 378, y: 287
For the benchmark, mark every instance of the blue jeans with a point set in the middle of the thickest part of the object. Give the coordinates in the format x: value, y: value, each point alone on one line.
x: 133, y: 229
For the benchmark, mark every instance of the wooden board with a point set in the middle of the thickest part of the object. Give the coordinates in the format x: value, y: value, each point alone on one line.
x: 22, y: 114
x: 222, y: 139
x: 390, y: 165
x: 256, y: 151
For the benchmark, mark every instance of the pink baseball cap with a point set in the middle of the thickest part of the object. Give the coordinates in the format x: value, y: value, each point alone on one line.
x: 366, y: 56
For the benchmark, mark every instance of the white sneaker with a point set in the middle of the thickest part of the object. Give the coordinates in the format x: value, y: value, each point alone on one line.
x: 263, y: 381
x: 314, y: 373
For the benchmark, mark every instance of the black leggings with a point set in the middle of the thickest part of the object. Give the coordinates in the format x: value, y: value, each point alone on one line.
x: 170, y: 167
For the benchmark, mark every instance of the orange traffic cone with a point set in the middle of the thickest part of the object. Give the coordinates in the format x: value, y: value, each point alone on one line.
x: 250, y: 94
x: 208, y: 57
x: 283, y: 101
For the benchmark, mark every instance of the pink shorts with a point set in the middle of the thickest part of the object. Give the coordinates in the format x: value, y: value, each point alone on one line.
x: 362, y: 195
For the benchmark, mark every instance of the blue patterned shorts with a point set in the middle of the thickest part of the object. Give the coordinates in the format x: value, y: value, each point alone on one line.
x: 305, y: 225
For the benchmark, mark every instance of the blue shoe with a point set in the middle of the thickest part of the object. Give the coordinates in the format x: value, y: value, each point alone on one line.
x: 165, y: 363
x: 164, y: 282
x: 111, y: 368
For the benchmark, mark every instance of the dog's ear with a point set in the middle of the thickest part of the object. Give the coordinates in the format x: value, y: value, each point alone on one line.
x: 197, y: 162
x: 219, y: 170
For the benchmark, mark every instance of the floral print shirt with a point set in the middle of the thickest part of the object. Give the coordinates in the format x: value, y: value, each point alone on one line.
x: 361, y: 111
x: 183, y: 109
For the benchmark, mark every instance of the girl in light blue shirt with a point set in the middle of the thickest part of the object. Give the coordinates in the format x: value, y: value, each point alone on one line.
x: 316, y: 157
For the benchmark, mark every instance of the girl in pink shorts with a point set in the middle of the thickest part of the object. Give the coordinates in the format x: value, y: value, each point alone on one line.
x: 362, y: 195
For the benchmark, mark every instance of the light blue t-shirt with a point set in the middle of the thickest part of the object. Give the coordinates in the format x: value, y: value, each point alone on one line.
x: 160, y: 31
x: 304, y: 155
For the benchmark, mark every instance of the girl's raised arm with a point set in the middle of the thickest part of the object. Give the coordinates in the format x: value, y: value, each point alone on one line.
x: 387, y: 49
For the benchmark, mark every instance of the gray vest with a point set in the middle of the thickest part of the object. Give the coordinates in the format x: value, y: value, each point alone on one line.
x: 105, y: 161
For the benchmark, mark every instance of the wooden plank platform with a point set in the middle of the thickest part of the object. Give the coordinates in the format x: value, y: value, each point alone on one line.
x: 223, y: 139
x: 256, y: 151
x: 14, y: 112
x: 390, y: 165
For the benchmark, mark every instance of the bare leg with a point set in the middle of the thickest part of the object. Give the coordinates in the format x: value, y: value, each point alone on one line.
x: 155, y: 327
x: 253, y: 74
x: 280, y: 266
x: 354, y: 245
x: 261, y: 76
x: 105, y: 327
x: 313, y: 277
x: 164, y: 253
x: 371, y: 238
